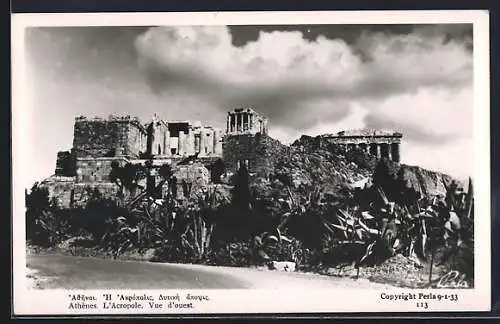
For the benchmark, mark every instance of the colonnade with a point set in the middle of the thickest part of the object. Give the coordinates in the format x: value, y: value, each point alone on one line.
x: 390, y: 151
x: 240, y: 121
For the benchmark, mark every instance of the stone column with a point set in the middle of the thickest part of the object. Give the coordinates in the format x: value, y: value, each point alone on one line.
x: 203, y: 143
x: 182, y: 142
x: 240, y: 122
x: 251, y: 122
x: 389, y: 151
x: 217, y: 148
x: 190, y: 142
x: 196, y: 143
x: 228, y: 123
x: 378, y: 151
x: 232, y: 122
x: 210, y: 141
x: 395, y: 152
x: 166, y: 146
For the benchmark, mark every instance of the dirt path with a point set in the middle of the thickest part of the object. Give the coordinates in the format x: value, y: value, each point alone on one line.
x: 48, y: 271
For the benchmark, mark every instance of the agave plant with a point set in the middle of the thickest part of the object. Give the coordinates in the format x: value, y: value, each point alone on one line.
x: 269, y: 243
x: 459, y: 229
x: 50, y: 226
x: 197, y: 237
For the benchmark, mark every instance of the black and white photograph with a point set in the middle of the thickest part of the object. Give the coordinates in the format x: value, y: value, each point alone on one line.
x: 321, y: 155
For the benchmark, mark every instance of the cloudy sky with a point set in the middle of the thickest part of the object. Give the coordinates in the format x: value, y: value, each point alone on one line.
x: 416, y: 79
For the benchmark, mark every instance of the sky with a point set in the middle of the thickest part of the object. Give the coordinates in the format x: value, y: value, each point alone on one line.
x: 308, y: 79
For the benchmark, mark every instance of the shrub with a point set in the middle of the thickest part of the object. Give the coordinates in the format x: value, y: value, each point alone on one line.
x: 46, y: 224
x: 385, y: 177
x: 234, y: 254
x: 98, y: 216
x: 217, y: 170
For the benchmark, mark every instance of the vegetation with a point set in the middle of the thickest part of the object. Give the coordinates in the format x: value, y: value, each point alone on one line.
x: 276, y: 221
x: 44, y: 226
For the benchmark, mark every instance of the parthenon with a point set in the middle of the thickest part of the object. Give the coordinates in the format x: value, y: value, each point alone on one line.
x: 245, y: 121
x: 381, y: 144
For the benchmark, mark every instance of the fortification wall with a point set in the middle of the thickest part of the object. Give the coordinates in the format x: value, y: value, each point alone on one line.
x: 67, y: 193
x: 95, y: 169
x: 59, y: 188
x: 107, y: 138
x: 259, y: 152
x: 65, y: 164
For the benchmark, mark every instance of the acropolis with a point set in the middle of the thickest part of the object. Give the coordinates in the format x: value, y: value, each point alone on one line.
x: 241, y: 121
x: 381, y: 144
x: 99, y: 143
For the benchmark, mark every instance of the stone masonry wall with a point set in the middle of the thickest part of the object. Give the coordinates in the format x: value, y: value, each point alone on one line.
x: 67, y: 193
x: 65, y: 164
x: 60, y: 189
x: 259, y: 151
x: 95, y: 169
x: 106, y: 138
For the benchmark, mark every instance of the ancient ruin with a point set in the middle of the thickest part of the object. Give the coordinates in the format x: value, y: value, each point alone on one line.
x: 99, y: 143
x: 246, y: 142
x: 381, y: 144
x: 245, y: 121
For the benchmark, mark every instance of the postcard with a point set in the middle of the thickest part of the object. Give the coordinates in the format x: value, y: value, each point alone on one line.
x: 258, y: 162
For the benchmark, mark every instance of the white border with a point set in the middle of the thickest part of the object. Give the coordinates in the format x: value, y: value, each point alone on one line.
x: 249, y: 301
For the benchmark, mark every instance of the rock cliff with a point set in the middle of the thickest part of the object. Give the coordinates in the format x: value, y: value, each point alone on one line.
x: 426, y: 182
x: 312, y: 162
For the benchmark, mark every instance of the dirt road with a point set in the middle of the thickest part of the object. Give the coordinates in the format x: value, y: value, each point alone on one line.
x: 48, y: 271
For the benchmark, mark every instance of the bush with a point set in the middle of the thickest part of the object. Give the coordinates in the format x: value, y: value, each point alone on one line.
x: 233, y: 254
x: 217, y: 170
x: 46, y: 224
x: 98, y: 216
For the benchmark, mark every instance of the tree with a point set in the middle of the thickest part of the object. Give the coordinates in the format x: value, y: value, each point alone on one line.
x: 217, y: 170
x: 37, y: 201
x: 408, y: 194
x: 127, y: 177
x: 46, y: 224
x: 385, y: 177
x: 241, y: 190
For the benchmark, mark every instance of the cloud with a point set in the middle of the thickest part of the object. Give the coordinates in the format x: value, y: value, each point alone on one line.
x: 453, y: 158
x: 281, y: 72
x: 417, y: 82
x: 428, y: 116
x: 307, y: 80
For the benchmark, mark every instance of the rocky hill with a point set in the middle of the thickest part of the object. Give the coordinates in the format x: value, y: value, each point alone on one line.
x: 311, y: 162
x: 426, y: 182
